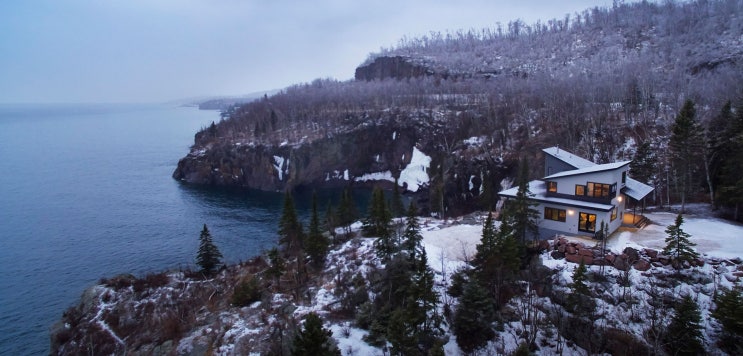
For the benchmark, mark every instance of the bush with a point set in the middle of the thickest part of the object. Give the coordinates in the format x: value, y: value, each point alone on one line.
x: 246, y: 293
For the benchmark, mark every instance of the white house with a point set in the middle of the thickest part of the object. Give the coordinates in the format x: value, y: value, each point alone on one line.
x: 576, y: 195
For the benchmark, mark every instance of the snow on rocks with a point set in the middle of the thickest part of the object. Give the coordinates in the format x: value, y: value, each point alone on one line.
x: 415, y: 173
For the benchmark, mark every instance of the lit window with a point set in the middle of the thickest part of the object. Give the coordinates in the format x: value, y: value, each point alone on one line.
x: 552, y: 187
x: 554, y: 214
x: 580, y: 189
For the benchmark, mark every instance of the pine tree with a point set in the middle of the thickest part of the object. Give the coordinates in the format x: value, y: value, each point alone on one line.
x: 314, y: 339
x: 290, y: 230
x: 579, y: 300
x: 521, y: 208
x: 396, y: 206
x: 208, y: 257
x: 729, y: 313
x: 379, y: 223
x: 678, y: 245
x: 473, y: 318
x: 730, y: 159
x: 424, y: 298
x: 684, y: 333
x: 411, y: 238
x: 346, y: 213
x: 686, y: 146
x: 402, y: 334
x: 317, y: 244
x: 643, y: 163
x: 276, y: 266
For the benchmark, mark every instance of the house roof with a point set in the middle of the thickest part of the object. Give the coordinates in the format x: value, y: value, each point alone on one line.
x: 635, y: 189
x: 539, y: 189
x: 590, y: 169
x: 569, y: 158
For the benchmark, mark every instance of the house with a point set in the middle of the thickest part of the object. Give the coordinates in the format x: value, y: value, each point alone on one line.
x: 576, y: 195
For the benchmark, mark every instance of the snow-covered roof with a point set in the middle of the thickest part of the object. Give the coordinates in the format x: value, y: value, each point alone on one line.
x: 569, y: 158
x: 635, y: 189
x: 539, y: 189
x: 590, y: 169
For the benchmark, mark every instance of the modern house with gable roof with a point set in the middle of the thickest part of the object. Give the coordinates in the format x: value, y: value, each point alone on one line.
x: 576, y: 195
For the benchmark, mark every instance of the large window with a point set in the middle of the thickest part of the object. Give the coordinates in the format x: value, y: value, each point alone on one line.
x: 600, y: 190
x: 552, y: 187
x: 614, y: 213
x: 587, y: 222
x: 624, y: 177
x: 554, y: 214
x: 580, y: 189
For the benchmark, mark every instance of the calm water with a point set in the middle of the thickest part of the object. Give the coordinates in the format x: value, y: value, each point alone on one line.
x: 86, y: 192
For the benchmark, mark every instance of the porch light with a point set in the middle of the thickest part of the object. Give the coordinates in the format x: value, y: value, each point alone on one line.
x: 619, y: 199
x: 570, y: 212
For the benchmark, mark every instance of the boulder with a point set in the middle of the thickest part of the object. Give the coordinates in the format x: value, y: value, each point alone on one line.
x: 585, y: 252
x: 557, y: 255
x: 620, y: 263
x: 578, y: 258
x: 650, y: 252
x: 632, y: 254
x: 610, y: 257
x: 561, y: 248
x: 570, y: 250
x: 544, y: 245
x: 641, y: 265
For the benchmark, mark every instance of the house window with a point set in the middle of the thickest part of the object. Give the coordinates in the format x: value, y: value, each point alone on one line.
x: 554, y: 214
x: 552, y: 187
x: 624, y: 177
x: 599, y: 190
x: 587, y: 222
x: 614, y: 213
x: 580, y: 189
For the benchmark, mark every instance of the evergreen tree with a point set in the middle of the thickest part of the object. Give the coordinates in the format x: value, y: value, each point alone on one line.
x: 412, y: 236
x: 290, y: 230
x: 276, y: 266
x: 730, y: 175
x: 579, y: 300
x: 379, y: 223
x: 347, y: 213
x: 424, y: 297
x: 729, y: 313
x: 684, y: 333
x: 686, y: 146
x: 643, y: 163
x: 208, y: 257
x: 678, y: 245
x: 330, y: 220
x: 396, y: 206
x: 521, y: 209
x: 314, y: 339
x: 402, y: 334
x: 497, y: 257
x: 317, y: 243
x: 472, y: 324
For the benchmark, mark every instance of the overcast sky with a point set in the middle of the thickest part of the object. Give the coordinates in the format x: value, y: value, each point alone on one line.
x: 161, y: 50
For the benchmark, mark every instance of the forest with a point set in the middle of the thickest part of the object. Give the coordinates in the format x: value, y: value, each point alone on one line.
x: 606, y: 83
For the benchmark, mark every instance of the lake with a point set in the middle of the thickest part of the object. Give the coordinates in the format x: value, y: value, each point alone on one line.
x: 86, y: 192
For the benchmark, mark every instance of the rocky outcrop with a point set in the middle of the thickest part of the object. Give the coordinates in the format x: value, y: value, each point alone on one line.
x: 397, y: 67
x: 641, y: 260
x: 328, y: 162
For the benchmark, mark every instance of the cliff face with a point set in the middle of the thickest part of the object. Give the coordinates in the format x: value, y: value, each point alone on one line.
x: 332, y: 161
x: 397, y: 67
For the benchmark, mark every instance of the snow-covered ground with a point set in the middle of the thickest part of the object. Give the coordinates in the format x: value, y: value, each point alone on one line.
x: 714, y: 237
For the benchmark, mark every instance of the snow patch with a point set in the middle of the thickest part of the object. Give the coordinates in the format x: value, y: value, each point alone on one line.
x: 279, y: 165
x: 345, y: 175
x: 394, y: 135
x: 387, y: 175
x: 415, y: 174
